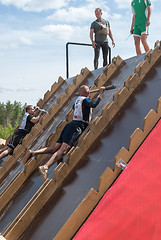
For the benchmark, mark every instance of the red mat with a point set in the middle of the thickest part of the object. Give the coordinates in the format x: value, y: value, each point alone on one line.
x: 131, y: 208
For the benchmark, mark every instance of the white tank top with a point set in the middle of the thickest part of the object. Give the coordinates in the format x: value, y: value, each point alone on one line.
x: 24, y: 120
x: 78, y: 109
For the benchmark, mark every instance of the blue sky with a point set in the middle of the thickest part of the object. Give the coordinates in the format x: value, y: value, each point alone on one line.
x: 34, y: 34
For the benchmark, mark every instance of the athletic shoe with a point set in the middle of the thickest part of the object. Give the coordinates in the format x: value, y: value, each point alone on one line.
x: 43, y: 172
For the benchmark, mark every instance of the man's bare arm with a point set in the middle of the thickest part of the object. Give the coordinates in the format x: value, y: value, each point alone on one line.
x: 149, y: 15
x: 91, y: 37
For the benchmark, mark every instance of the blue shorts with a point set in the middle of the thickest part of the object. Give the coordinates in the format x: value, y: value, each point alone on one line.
x: 71, y: 132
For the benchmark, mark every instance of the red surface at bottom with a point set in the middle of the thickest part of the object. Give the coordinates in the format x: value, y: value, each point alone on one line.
x: 131, y: 208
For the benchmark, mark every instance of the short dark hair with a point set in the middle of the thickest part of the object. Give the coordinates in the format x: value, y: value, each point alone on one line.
x: 28, y: 107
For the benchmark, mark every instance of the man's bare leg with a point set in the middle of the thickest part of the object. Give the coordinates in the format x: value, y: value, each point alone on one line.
x: 46, y: 150
x: 55, y: 157
x: 137, y: 45
x: 3, y: 149
x: 144, y: 42
x: 6, y: 152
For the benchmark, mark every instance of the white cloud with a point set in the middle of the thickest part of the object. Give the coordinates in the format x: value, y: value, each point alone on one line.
x: 10, y: 45
x: 77, y: 15
x: 16, y: 90
x: 12, y: 39
x: 5, y: 90
x: 25, y: 40
x: 66, y: 32
x: 62, y: 32
x: 116, y: 16
x: 24, y: 90
x: 36, y: 5
x: 123, y: 3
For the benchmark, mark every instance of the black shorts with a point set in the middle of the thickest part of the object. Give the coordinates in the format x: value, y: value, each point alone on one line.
x: 17, y: 138
x: 71, y: 132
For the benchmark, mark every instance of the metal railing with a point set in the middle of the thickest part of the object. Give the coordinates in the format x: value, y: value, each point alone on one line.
x: 82, y: 44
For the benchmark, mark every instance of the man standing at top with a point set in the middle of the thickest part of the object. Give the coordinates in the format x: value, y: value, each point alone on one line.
x: 140, y: 23
x: 101, y: 28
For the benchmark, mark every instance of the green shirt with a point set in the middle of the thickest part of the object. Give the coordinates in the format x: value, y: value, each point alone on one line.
x: 139, y: 8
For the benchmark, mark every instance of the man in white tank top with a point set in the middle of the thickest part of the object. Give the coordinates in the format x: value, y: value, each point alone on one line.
x: 71, y: 132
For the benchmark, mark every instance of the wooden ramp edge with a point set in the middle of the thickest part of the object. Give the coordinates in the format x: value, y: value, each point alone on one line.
x: 31, y: 165
x: 12, y: 159
x: 47, y: 96
x: 39, y: 127
x: 73, y: 157
x: 88, y: 204
x: 50, y: 93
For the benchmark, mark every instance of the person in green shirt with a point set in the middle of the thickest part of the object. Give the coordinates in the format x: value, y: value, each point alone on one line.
x: 140, y: 23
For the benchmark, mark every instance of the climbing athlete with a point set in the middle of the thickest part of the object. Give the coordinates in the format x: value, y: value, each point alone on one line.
x: 27, y: 123
x: 69, y: 135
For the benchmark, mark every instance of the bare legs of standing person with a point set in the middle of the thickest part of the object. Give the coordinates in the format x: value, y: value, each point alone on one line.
x: 138, y: 40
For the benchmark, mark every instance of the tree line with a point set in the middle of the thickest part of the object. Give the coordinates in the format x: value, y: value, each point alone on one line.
x: 11, y: 115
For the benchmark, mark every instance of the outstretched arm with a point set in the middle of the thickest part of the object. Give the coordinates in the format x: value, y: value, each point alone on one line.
x: 95, y: 102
